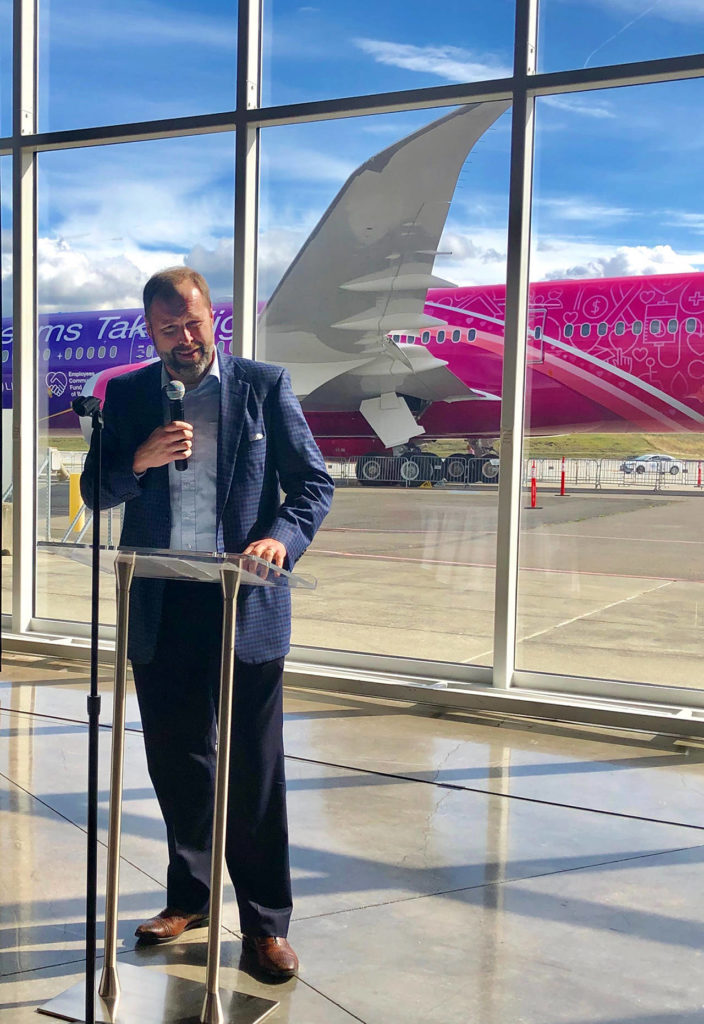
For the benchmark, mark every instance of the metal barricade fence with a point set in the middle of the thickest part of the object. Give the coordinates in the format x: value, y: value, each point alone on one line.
x: 673, y: 475
x: 584, y: 473
x: 411, y: 470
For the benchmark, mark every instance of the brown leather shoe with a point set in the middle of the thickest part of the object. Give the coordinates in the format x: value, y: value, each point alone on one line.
x: 169, y: 924
x: 274, y: 955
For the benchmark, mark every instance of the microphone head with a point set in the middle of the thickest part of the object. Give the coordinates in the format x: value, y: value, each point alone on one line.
x: 175, y: 390
x: 86, y: 405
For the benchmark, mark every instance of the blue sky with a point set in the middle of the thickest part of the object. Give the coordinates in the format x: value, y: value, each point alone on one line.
x: 618, y: 172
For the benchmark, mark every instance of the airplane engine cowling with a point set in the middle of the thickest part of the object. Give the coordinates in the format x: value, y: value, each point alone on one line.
x: 97, y: 385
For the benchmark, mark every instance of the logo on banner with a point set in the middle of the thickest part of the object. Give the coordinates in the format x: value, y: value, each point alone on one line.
x: 56, y: 383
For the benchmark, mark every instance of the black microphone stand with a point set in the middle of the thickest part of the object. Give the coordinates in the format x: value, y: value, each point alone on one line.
x: 91, y: 407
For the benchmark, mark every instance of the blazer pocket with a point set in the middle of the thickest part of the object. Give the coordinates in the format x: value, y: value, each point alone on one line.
x: 256, y: 456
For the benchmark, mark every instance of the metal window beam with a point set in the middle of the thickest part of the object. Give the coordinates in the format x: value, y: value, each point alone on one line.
x: 513, y: 384
x: 246, y: 227
x: 555, y: 82
x: 24, y: 223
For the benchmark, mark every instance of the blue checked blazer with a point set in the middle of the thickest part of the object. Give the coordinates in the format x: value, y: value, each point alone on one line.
x: 264, y: 444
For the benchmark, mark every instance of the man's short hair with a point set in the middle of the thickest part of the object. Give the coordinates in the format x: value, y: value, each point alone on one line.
x: 163, y: 285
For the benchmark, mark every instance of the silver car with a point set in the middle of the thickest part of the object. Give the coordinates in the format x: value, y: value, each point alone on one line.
x: 653, y: 464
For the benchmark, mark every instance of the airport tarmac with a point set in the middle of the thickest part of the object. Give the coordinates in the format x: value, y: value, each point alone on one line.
x: 611, y: 584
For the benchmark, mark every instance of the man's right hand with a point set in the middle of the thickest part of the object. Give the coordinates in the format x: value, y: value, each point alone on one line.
x: 165, y: 444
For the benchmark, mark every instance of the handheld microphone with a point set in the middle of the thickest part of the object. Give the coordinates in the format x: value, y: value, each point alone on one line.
x: 86, y: 405
x: 175, y: 391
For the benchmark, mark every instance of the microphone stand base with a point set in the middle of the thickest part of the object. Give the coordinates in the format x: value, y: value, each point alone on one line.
x: 151, y: 997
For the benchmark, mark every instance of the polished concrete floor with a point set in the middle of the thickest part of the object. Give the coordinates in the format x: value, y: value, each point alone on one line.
x: 448, y: 868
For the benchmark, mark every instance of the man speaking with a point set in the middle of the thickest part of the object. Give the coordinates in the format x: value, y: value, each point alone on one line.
x: 208, y: 478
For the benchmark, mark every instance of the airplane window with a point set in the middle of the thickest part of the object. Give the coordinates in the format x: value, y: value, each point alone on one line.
x: 425, y: 337
x: 441, y: 337
x: 456, y: 336
x: 471, y: 334
x: 620, y: 327
x: 655, y: 326
x: 569, y: 330
x: 538, y: 332
x: 79, y: 353
x: 221, y: 346
x: 113, y: 351
x: 101, y: 352
x: 585, y: 329
x: 601, y: 329
x: 672, y: 326
x: 45, y: 355
x: 6, y: 355
x: 637, y: 326
x: 690, y: 325
x: 68, y: 353
x: 150, y: 350
x: 90, y: 352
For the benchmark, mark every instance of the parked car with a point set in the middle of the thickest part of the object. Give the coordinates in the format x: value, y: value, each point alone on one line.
x: 653, y: 464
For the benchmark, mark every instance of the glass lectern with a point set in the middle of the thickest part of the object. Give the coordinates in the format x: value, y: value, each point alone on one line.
x: 139, y: 994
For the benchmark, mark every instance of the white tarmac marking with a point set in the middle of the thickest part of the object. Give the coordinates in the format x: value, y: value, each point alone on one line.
x: 575, y: 618
x: 620, y: 540
x: 492, y: 565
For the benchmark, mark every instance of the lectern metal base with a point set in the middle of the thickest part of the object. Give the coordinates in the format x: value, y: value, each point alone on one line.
x: 151, y: 997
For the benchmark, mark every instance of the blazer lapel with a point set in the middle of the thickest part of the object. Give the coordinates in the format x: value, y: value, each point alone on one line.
x: 233, y: 405
x: 152, y: 409
x: 152, y: 416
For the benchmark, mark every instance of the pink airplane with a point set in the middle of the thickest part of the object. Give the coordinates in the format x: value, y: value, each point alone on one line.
x: 384, y: 355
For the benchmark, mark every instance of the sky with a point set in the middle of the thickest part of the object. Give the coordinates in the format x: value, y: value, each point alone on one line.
x: 617, y: 177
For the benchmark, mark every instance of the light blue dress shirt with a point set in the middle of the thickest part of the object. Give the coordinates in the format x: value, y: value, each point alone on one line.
x: 193, y: 492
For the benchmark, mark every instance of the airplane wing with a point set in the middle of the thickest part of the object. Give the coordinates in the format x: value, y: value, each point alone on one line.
x: 365, y: 270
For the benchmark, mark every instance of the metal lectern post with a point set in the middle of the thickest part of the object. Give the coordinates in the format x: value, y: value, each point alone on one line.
x: 212, y: 1007
x: 109, y: 989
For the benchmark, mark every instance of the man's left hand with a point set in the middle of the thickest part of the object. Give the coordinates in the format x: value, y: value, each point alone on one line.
x: 269, y: 549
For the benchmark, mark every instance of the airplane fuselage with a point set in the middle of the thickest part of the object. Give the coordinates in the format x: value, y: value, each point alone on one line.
x: 618, y: 354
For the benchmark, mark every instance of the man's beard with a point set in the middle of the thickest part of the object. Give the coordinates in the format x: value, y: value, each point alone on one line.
x: 189, y: 372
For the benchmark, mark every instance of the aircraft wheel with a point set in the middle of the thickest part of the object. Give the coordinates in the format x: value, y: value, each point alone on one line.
x: 432, y: 467
x: 456, y: 468
x: 410, y: 471
x: 370, y: 470
x: 489, y: 471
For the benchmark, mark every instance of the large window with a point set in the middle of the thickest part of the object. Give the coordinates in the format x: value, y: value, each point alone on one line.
x: 610, y: 580
x: 575, y: 34
x: 123, y: 61
x: 357, y: 304
x: 108, y: 218
x: 513, y: 410
x: 315, y: 51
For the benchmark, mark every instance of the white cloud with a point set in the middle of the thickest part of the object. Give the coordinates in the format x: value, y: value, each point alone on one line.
x: 570, y: 260
x: 302, y: 163
x: 278, y: 247
x: 140, y: 25
x: 479, y: 257
x: 449, y: 62
x: 68, y: 279
x: 680, y: 218
x: 582, y: 208
x: 216, y: 266
x: 588, y: 108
